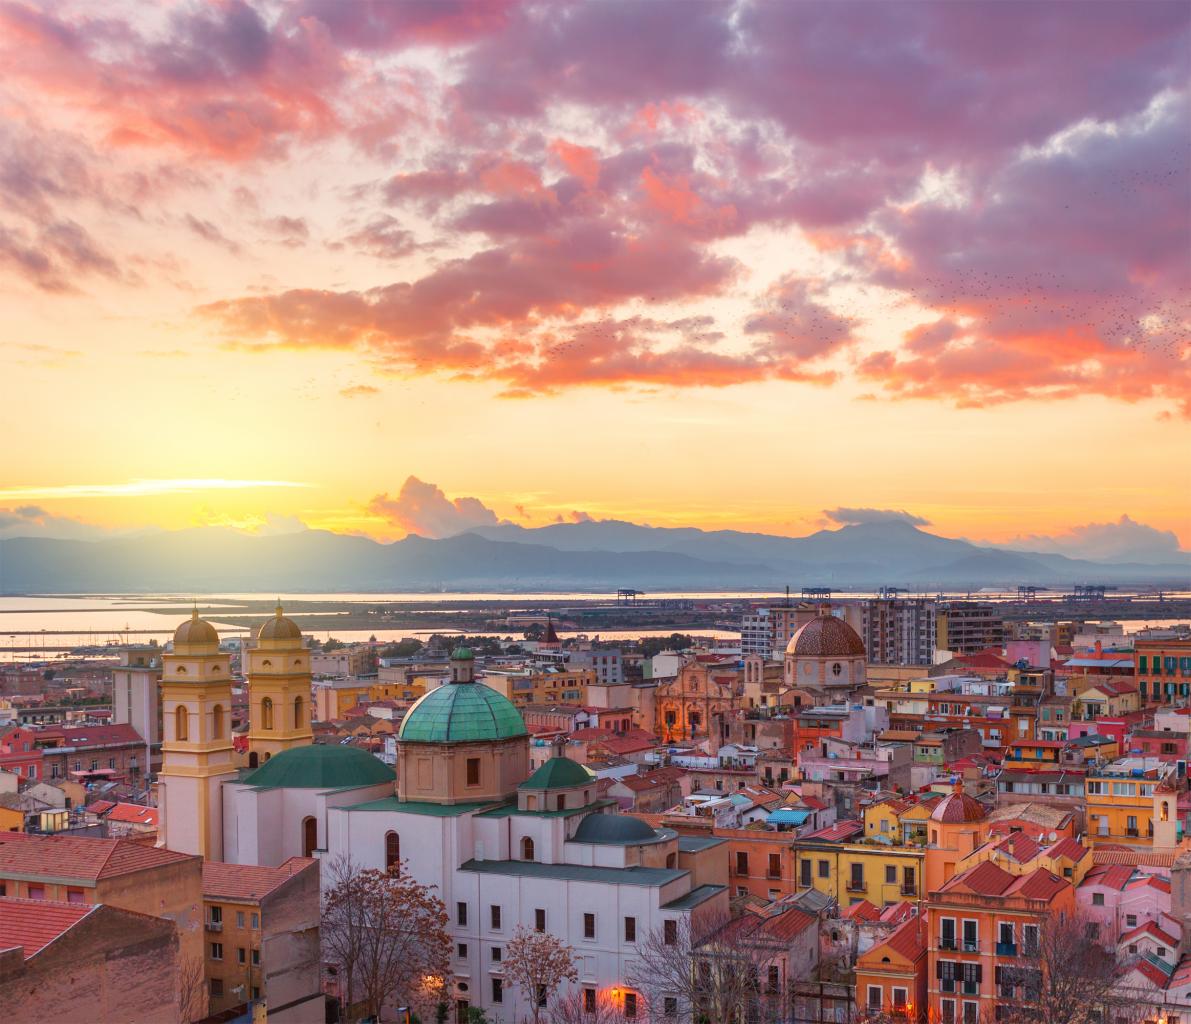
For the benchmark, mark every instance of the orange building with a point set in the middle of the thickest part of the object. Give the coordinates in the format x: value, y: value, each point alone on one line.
x: 981, y: 924
x: 891, y: 975
x: 957, y: 826
x: 1163, y: 670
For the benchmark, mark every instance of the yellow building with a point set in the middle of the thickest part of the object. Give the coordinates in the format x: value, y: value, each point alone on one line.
x: 901, y: 821
x: 1097, y: 697
x: 562, y: 687
x: 851, y: 871
x: 1120, y: 801
x: 197, y: 754
x: 278, y: 690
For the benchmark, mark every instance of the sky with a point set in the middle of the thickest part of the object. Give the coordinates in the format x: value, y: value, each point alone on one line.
x: 382, y: 267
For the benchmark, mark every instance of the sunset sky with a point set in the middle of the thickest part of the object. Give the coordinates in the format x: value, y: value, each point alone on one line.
x: 720, y: 265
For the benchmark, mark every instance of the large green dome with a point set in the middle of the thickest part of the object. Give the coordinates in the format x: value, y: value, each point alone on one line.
x: 461, y: 713
x: 321, y: 767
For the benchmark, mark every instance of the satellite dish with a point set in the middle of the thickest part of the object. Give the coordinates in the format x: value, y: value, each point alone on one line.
x: 1054, y: 836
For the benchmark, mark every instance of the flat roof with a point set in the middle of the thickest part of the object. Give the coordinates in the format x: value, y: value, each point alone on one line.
x: 574, y: 872
x: 695, y: 844
x: 700, y: 894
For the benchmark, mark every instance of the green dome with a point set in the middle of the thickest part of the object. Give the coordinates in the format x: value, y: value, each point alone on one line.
x: 615, y: 830
x: 321, y: 767
x: 462, y: 654
x: 461, y: 713
x: 559, y: 773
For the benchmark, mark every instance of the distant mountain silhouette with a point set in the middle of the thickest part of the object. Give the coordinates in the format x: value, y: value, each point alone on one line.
x: 572, y: 555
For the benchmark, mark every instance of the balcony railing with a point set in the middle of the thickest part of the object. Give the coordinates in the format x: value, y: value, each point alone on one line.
x: 214, y: 926
x: 971, y: 946
x: 908, y: 890
x: 857, y: 886
x: 946, y: 943
x: 1006, y: 949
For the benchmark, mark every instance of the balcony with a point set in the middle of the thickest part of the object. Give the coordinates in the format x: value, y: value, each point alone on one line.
x: 857, y: 885
x: 908, y: 890
x: 1006, y: 949
x: 948, y: 943
x: 970, y: 946
x: 214, y: 926
x: 1132, y: 833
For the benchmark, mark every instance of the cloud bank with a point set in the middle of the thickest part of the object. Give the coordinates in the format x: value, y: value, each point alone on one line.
x: 423, y: 509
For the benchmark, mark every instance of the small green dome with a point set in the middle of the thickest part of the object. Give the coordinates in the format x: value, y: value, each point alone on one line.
x: 321, y: 766
x: 461, y: 713
x: 615, y: 830
x: 559, y: 773
x: 462, y: 654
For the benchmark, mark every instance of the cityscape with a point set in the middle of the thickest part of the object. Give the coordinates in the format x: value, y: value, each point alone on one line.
x: 595, y: 512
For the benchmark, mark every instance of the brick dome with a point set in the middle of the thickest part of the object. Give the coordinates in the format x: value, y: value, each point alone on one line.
x: 958, y: 807
x: 826, y: 636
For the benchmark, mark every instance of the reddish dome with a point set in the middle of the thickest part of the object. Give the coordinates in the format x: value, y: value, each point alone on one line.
x: 958, y: 807
x: 826, y: 636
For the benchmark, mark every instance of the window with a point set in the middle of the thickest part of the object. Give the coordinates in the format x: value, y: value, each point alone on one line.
x: 526, y: 848
x: 309, y: 837
x: 742, y: 863
x: 299, y: 713
x: 589, y: 926
x: 589, y: 1000
x: 804, y: 873
x: 216, y: 950
x: 971, y: 1013
x: 670, y: 933
x: 181, y: 727
x: 908, y: 881
x: 630, y: 1005
x: 75, y: 896
x: 539, y: 920
x: 1131, y: 920
x: 392, y: 851
x: 241, y: 955
x: 824, y: 869
x: 875, y: 997
x: 774, y: 979
x: 775, y: 865
x: 899, y: 998
x: 473, y: 771
x: 947, y: 1006
x: 630, y: 929
x: 890, y: 874
x: 494, y: 917
x: 856, y: 881
x: 37, y: 892
x: 216, y: 988
x: 1097, y: 899
x: 498, y: 991
x: 461, y: 950
x: 217, y: 915
x: 971, y: 936
x: 496, y: 954
x: 267, y: 713
x: 461, y: 913
x: 256, y: 958
x: 541, y: 995
x: 216, y: 722
x: 256, y: 921
x: 947, y: 933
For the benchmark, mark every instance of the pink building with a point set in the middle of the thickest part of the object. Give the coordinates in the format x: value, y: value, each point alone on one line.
x: 19, y: 753
x: 1118, y: 899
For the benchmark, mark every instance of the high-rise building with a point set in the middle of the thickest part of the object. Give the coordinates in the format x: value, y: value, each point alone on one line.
x: 898, y: 631
x: 968, y: 627
x: 767, y: 631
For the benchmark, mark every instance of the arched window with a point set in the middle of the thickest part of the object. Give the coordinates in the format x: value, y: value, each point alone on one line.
x: 671, y: 860
x: 181, y: 723
x: 392, y: 851
x: 298, y: 710
x: 254, y: 759
x: 1165, y: 816
x: 267, y: 713
x: 217, y: 722
x: 526, y: 848
x: 309, y: 837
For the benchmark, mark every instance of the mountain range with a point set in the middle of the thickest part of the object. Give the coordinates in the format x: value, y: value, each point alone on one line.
x: 589, y: 555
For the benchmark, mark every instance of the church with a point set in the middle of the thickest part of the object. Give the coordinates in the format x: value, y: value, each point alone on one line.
x: 502, y: 846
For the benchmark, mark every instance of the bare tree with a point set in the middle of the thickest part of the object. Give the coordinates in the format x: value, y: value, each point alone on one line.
x: 709, y: 972
x: 1063, y: 976
x: 388, y: 935
x: 192, y: 989
x: 538, y: 963
x: 572, y: 1008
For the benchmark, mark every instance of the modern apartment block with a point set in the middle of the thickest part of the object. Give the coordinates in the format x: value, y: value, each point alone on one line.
x: 968, y: 627
x: 897, y: 631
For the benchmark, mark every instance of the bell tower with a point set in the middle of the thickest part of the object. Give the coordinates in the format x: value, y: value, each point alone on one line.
x: 278, y: 690
x: 197, y: 756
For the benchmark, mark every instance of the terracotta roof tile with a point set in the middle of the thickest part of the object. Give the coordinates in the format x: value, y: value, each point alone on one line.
x: 840, y: 832
x: 91, y: 735
x: 1111, y: 876
x: 1151, y: 929
x: 247, y: 881
x: 31, y: 925
x: 862, y: 909
x: 1068, y: 847
x: 76, y: 857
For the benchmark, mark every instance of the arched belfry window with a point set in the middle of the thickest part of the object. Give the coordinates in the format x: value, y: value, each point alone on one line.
x: 392, y: 851
x: 217, y: 722
x: 267, y: 713
x: 299, y: 711
x: 181, y: 723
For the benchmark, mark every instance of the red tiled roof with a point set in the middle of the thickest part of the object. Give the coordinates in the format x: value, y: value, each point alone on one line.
x: 1153, y: 881
x: 91, y: 735
x: 985, y: 879
x: 840, y: 832
x: 862, y: 909
x: 136, y: 814
x: 1068, y: 847
x: 1037, y: 885
x: 814, y: 803
x: 1120, y: 855
x: 1152, y: 971
x: 1114, y: 876
x: 1019, y: 846
x: 31, y: 925
x: 247, y: 881
x: 76, y: 857
x: 907, y: 939
x: 1151, y: 929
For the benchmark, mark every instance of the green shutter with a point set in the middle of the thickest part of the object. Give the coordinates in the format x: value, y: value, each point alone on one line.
x: 1141, y: 665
